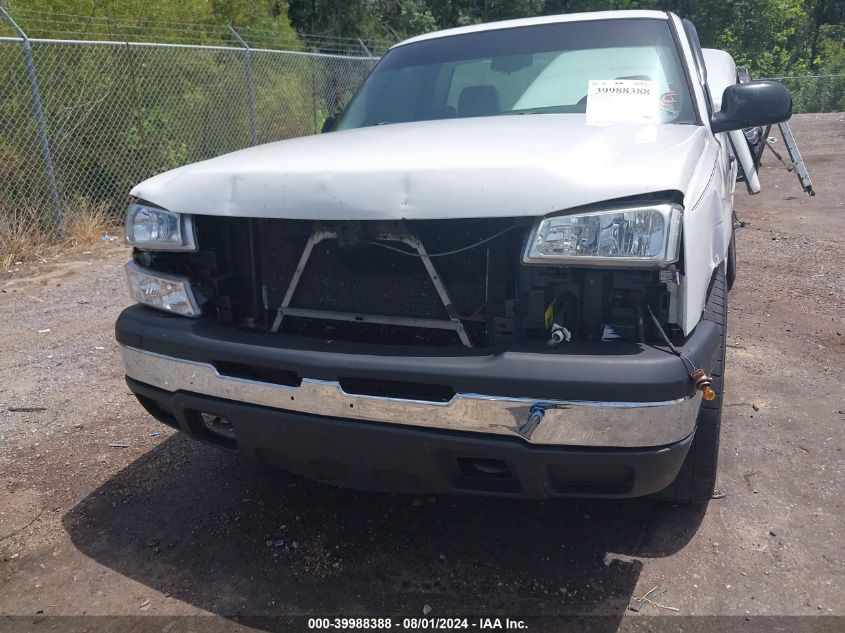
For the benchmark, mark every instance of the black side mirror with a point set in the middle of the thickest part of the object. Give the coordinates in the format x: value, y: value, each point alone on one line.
x: 752, y: 104
x: 329, y: 123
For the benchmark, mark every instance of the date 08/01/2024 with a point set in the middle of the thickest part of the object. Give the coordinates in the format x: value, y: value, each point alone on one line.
x: 408, y: 624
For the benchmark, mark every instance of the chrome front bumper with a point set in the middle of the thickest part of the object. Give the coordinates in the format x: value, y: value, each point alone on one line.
x: 538, y: 422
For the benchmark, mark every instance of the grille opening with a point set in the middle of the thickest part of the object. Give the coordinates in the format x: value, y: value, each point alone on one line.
x: 245, y: 267
x: 272, y: 375
x: 367, y: 279
x: 397, y: 389
x: 349, y: 274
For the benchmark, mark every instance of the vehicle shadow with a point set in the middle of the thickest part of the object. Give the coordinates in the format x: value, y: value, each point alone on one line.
x: 238, y: 539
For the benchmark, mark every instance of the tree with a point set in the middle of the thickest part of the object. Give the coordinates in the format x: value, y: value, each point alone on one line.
x: 771, y: 37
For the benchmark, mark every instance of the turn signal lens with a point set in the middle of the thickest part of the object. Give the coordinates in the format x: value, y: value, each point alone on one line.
x: 170, y: 293
x: 703, y: 383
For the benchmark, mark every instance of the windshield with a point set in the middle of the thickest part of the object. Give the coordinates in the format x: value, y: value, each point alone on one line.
x: 548, y: 68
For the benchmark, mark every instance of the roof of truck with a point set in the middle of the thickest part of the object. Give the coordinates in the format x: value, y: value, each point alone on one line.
x: 544, y: 19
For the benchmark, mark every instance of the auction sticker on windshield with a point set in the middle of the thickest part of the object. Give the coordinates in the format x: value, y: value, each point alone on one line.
x: 622, y: 101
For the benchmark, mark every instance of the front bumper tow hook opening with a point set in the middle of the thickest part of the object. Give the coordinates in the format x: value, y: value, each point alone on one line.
x: 484, y: 467
x: 218, y: 425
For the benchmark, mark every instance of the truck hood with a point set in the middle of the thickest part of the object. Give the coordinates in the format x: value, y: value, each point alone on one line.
x: 502, y: 166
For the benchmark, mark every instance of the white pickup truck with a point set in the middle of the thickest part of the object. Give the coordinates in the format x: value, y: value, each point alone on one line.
x: 502, y: 270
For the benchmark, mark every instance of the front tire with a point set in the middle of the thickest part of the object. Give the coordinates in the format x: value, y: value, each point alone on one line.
x: 696, y: 480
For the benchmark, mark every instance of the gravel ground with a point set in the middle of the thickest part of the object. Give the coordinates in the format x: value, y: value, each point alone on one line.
x: 104, y: 511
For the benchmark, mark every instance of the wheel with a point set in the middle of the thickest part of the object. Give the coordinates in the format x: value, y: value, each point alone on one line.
x: 697, y: 478
x: 730, y: 272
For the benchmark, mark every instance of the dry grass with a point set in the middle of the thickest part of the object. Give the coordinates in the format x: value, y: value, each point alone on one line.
x: 86, y: 222
x: 21, y: 236
x: 24, y: 236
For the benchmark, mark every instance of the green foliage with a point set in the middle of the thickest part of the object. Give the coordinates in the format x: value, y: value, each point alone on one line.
x: 817, y: 93
x: 417, y: 17
x: 118, y: 114
x: 347, y: 18
x: 183, y: 21
x: 770, y: 37
x: 831, y: 49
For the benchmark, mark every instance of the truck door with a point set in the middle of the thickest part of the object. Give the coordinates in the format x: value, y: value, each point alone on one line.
x: 724, y: 177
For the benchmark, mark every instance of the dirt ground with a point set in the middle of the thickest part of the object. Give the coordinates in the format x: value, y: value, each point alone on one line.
x: 105, y: 511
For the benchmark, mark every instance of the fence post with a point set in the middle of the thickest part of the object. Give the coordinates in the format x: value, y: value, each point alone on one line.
x: 43, y: 140
x: 314, y: 100
x: 250, y: 89
x: 366, y: 50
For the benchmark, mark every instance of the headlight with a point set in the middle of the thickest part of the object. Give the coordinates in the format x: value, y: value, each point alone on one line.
x: 642, y: 236
x: 170, y: 293
x: 151, y: 228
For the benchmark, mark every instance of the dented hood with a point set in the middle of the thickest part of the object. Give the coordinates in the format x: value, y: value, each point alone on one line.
x: 457, y: 168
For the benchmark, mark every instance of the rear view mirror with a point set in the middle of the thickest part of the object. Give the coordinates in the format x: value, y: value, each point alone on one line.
x: 511, y: 63
x: 752, y: 104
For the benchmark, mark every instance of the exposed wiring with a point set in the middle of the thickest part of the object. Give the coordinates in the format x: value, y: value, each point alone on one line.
x: 445, y: 253
x: 687, y: 362
x: 698, y: 376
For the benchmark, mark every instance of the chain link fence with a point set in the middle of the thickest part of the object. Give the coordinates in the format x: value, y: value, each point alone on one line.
x: 81, y: 122
x: 816, y: 93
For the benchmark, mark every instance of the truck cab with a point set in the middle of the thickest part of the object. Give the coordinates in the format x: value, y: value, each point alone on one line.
x: 503, y: 269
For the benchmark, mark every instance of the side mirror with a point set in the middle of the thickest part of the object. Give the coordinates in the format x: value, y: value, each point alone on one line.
x: 329, y: 123
x: 752, y: 104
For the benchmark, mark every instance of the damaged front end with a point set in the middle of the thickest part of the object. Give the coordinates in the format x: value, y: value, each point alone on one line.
x: 524, y: 356
x: 459, y: 283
